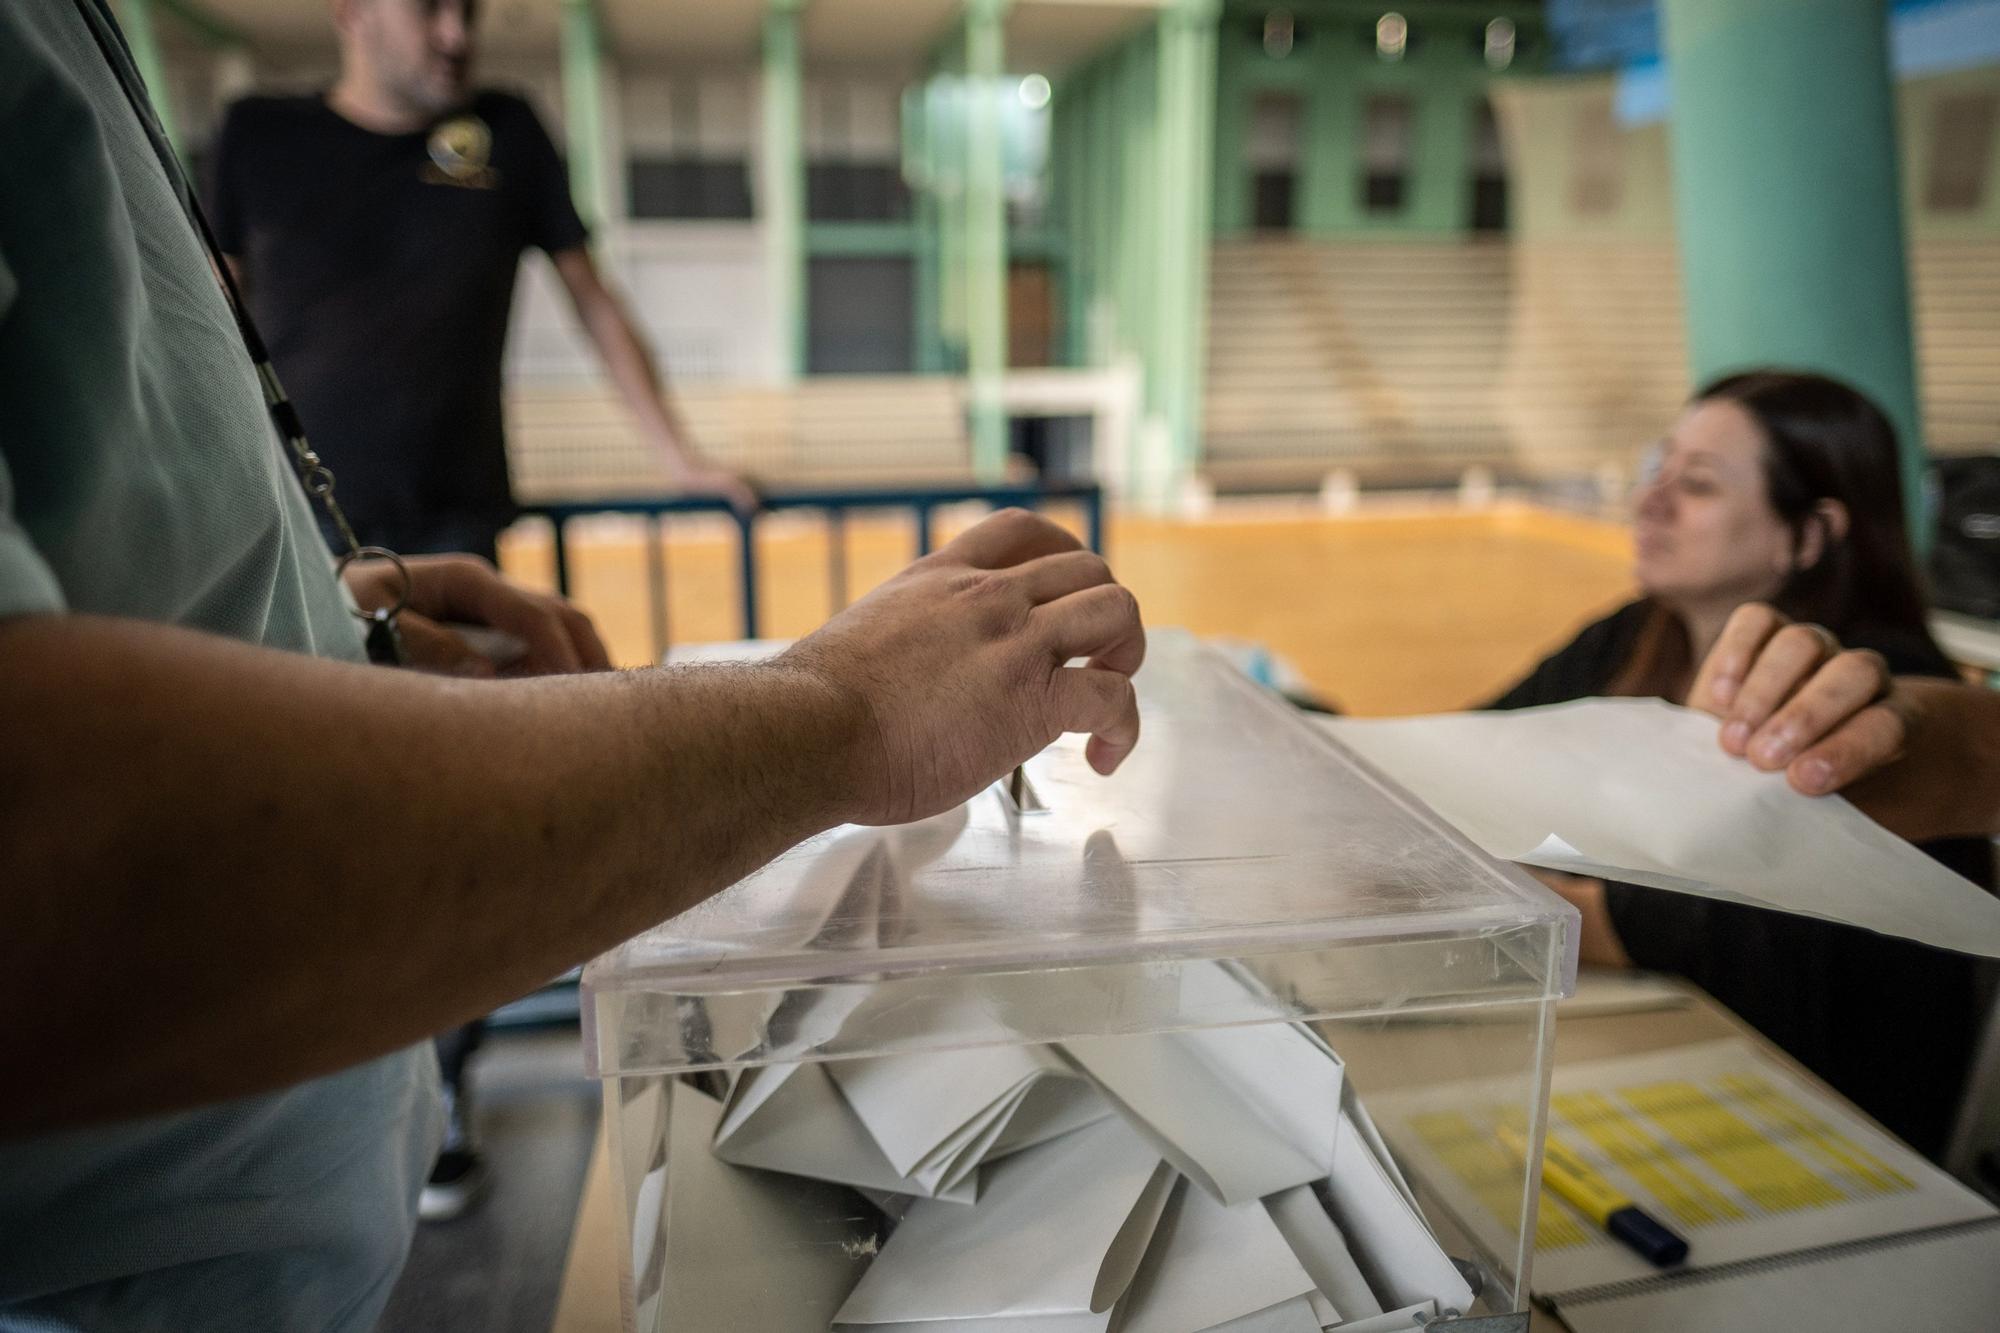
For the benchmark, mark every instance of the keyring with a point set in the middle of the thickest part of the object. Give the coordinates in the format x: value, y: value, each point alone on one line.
x: 379, y: 615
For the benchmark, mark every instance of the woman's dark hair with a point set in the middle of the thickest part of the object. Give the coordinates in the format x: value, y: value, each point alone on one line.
x: 1823, y: 440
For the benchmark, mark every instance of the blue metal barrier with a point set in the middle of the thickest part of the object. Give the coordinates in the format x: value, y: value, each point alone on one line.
x: 835, y: 503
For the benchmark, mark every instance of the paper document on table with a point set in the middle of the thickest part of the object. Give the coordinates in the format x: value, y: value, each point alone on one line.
x: 1638, y: 790
x: 1720, y: 1142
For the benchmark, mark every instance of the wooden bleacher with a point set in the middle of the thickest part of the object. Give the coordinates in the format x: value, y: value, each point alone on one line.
x: 574, y: 442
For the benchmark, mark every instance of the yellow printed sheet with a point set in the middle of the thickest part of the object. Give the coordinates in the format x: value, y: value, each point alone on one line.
x: 1719, y: 1141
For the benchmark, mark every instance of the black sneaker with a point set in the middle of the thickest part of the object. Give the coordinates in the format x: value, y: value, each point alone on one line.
x: 456, y: 1180
x: 459, y: 1173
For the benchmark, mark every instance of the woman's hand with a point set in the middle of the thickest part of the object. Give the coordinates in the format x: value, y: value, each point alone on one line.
x: 1919, y: 755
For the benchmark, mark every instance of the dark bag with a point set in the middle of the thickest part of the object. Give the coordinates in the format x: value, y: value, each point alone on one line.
x: 1965, y: 561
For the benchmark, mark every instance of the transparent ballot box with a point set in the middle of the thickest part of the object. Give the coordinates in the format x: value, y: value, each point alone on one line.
x: 1091, y: 1054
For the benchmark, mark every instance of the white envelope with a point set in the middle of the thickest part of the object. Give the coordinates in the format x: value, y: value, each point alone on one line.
x: 797, y: 1122
x: 1395, y: 1321
x: 925, y: 1110
x: 1245, y: 1111
x: 1323, y: 1252
x: 1050, y: 1247
x: 751, y: 1250
x: 1210, y: 1266
x: 1387, y: 1235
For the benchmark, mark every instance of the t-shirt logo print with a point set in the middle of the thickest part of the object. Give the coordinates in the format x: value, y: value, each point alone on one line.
x: 459, y: 151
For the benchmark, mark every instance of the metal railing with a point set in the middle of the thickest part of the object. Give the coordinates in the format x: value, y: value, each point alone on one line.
x: 835, y: 503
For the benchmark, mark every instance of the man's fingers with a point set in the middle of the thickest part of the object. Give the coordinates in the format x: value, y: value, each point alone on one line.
x: 583, y: 636
x: 1102, y: 703
x: 1009, y: 537
x: 1836, y: 692
x: 428, y: 646
x: 1100, y: 623
x: 1050, y: 577
x: 1793, y: 654
x: 1749, y: 628
x: 1873, y: 737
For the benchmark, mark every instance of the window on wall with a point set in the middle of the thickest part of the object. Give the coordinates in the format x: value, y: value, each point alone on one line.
x: 687, y: 188
x: 860, y: 316
x: 1961, y: 152
x: 1272, y: 154
x: 1597, y: 176
x: 1489, y: 171
x: 1388, y: 139
x: 856, y: 192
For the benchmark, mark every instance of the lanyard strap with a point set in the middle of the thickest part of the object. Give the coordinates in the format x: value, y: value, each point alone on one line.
x: 313, y: 474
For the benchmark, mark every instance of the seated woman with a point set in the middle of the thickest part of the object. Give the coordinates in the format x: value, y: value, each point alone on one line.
x: 1781, y: 488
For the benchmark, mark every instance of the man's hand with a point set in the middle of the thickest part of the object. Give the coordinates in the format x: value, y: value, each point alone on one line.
x: 696, y: 477
x: 466, y: 590
x: 956, y: 668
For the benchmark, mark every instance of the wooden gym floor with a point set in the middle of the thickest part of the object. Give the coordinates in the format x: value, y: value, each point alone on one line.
x: 1401, y: 607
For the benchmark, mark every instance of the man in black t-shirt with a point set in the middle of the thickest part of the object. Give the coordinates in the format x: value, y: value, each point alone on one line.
x: 377, y: 230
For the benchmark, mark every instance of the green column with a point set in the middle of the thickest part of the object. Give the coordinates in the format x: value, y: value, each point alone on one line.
x: 1786, y: 197
x: 1184, y: 197
x: 986, y: 235
x: 783, y: 204
x: 136, y: 18
x: 583, y: 111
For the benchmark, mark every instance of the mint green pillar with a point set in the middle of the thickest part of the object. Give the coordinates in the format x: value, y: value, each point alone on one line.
x: 783, y: 177
x: 986, y: 235
x: 1184, y: 197
x: 1786, y: 197
x: 590, y: 174
x: 135, y: 17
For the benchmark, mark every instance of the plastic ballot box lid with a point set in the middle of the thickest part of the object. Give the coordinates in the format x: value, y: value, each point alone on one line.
x: 1094, y: 906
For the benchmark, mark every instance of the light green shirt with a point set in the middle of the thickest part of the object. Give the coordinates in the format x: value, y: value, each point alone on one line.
x: 141, y: 477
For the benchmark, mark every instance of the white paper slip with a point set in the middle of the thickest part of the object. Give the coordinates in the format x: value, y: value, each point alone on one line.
x: 1638, y: 790
x: 800, y: 1124
x: 1410, y: 1317
x: 1243, y: 1111
x: 1050, y: 1247
x: 1303, y: 1221
x: 917, y: 1106
x: 749, y: 1249
x: 1211, y: 1265
x: 1387, y: 1235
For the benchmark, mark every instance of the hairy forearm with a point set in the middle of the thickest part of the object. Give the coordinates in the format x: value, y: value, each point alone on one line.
x: 226, y: 868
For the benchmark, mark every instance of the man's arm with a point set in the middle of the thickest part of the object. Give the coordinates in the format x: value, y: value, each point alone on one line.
x: 1919, y: 755
x: 225, y: 868
x: 633, y: 371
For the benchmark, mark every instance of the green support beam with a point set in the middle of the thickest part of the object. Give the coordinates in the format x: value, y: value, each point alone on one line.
x: 136, y: 18
x: 986, y: 235
x: 1184, y: 198
x: 591, y: 174
x: 1787, y: 201
x: 783, y: 176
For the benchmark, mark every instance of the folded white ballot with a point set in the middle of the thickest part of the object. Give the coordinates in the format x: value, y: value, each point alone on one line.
x: 792, y: 1118
x: 1302, y: 1220
x: 1210, y: 1265
x: 1385, y: 1232
x: 1050, y: 1247
x: 1638, y: 790
x: 938, y: 1115
x: 1243, y: 1111
x: 753, y: 1250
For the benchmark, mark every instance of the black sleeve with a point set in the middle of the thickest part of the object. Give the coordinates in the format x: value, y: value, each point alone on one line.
x: 222, y: 185
x: 1580, y: 668
x: 553, y: 224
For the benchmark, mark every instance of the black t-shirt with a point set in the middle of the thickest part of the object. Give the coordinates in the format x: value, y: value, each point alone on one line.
x: 1890, y: 1023
x: 380, y: 268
